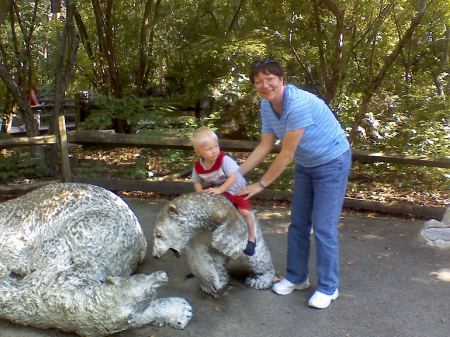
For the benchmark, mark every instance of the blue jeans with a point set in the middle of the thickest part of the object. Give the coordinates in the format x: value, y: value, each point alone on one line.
x: 317, y: 201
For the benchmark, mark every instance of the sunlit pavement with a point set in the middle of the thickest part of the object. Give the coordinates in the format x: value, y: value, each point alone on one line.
x: 392, y: 285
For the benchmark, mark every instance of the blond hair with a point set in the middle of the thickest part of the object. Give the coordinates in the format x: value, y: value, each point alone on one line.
x: 201, y: 135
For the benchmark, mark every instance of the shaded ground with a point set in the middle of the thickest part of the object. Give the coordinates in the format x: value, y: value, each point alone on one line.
x: 392, y: 286
x: 414, y: 185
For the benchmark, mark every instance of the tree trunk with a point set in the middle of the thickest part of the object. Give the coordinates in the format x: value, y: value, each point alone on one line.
x: 65, y: 59
x: 68, y: 44
x: 321, y: 46
x: 331, y: 68
x: 445, y: 55
x: 105, y: 33
x: 30, y: 123
x: 14, y: 89
x: 235, y: 17
x: 146, y: 45
x: 143, y: 47
x: 23, y: 63
x: 98, y: 78
x: 333, y: 79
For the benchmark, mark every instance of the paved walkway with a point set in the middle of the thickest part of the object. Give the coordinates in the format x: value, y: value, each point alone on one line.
x: 392, y: 286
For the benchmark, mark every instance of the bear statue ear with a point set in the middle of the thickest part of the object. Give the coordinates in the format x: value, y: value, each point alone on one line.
x: 174, y: 209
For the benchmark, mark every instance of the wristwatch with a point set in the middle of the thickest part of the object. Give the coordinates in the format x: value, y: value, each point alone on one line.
x: 260, y: 183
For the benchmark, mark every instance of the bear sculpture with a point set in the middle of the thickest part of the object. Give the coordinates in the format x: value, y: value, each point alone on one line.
x: 212, y: 232
x: 437, y: 233
x: 67, y: 252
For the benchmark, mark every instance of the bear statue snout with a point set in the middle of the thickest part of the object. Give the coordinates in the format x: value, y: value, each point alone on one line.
x: 175, y: 252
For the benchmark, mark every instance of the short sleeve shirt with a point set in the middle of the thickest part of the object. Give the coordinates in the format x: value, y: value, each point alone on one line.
x: 323, y: 138
x: 217, y: 177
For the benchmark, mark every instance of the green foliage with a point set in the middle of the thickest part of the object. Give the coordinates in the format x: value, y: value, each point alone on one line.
x: 4, y: 9
x: 408, y: 125
x: 18, y: 166
x: 138, y: 112
x: 199, y: 52
x: 173, y: 162
x: 401, y: 176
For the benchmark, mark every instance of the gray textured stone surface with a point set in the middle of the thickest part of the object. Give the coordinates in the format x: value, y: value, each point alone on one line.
x: 66, y: 255
x: 211, y: 231
x: 437, y: 233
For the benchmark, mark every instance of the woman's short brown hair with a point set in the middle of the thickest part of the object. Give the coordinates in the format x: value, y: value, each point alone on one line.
x: 266, y: 66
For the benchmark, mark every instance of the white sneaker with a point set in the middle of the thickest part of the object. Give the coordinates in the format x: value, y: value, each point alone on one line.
x: 285, y: 287
x: 321, y: 301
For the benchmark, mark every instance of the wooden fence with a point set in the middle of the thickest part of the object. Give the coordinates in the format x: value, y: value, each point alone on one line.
x: 97, y: 138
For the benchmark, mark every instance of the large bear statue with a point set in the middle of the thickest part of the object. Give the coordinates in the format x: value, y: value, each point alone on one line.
x: 67, y: 254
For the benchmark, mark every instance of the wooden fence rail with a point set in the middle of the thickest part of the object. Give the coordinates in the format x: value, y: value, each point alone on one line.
x: 124, y: 140
x: 27, y: 141
x: 108, y: 139
x: 116, y: 139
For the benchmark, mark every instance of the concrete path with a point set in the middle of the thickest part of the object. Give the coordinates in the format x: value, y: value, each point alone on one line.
x: 392, y: 286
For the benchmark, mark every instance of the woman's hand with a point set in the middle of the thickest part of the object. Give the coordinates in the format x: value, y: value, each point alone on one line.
x: 250, y: 190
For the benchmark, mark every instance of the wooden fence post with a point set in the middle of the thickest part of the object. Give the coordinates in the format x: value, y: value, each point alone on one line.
x: 62, y: 140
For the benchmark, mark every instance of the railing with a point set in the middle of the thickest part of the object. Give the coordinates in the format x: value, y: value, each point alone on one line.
x: 125, y: 140
x: 45, y: 112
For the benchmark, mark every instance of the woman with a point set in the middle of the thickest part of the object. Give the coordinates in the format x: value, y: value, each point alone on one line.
x: 312, y: 136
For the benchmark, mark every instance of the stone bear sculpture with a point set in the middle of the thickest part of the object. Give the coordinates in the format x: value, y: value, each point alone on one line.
x: 66, y: 255
x: 437, y: 233
x: 212, y: 232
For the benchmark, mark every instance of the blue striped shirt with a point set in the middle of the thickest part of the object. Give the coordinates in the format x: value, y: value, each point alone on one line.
x: 323, y: 139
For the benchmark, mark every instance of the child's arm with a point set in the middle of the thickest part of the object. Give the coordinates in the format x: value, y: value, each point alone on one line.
x: 198, y: 187
x: 224, y: 187
x: 196, y: 181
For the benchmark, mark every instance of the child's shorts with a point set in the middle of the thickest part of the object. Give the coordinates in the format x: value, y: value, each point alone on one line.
x: 238, y: 200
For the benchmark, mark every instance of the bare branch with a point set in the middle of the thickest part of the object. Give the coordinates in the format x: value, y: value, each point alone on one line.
x: 235, y: 16
x: 378, y: 79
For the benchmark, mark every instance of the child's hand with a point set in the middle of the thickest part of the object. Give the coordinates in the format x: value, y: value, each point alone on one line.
x: 214, y: 190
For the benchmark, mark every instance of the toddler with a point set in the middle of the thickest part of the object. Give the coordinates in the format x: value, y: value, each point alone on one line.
x: 217, y: 173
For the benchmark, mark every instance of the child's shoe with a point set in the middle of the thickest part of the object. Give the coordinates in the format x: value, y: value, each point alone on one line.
x: 250, y: 249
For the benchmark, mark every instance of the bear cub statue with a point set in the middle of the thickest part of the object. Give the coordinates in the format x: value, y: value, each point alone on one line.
x: 212, y: 232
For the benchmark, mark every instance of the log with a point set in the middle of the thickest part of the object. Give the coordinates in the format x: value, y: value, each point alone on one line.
x: 8, y: 191
x: 177, y: 188
x: 27, y: 141
x: 371, y: 157
x: 126, y: 140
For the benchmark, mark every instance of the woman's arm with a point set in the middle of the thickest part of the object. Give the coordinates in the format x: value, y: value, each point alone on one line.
x: 288, y: 148
x: 261, y: 151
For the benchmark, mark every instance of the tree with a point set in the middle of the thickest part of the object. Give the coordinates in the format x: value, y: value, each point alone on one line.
x: 66, y: 53
x: 376, y: 62
x: 374, y: 82
x: 17, y: 70
x: 4, y: 9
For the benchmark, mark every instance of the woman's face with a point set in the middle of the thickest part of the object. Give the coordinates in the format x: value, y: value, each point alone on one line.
x: 269, y: 86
